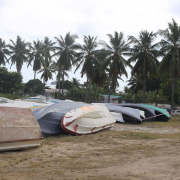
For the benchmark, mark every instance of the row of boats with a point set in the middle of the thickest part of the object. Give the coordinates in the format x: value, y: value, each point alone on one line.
x: 23, y: 125
x: 93, y: 115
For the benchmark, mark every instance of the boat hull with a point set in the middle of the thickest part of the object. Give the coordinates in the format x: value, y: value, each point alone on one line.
x: 87, y: 120
x: 149, y: 113
x: 24, y: 144
x: 18, y: 125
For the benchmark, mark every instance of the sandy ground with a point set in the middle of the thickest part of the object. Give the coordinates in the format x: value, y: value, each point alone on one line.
x: 126, y: 152
x: 149, y: 129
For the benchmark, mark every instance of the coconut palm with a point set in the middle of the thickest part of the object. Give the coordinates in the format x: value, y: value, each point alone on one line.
x: 19, y: 52
x: 36, y: 55
x: 46, y: 70
x: 100, y: 76
x: 135, y: 83
x: 3, y: 52
x: 75, y: 83
x: 65, y: 52
x: 170, y: 49
x: 144, y: 54
x: 59, y: 74
x: 48, y: 48
x: 115, y: 60
x: 86, y: 58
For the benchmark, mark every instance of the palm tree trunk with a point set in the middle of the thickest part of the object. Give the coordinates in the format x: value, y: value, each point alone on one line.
x: 63, y: 85
x: 59, y: 89
x: 86, y: 88
x: 144, y: 89
x: 44, y: 87
x: 34, y: 81
x: 88, y: 91
x: 110, y: 90
x: 172, y: 94
x: 95, y: 94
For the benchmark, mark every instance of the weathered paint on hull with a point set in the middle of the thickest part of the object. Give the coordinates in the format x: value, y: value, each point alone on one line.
x: 19, y: 129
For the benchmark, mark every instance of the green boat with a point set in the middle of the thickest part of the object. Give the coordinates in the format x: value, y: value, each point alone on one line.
x: 162, y: 114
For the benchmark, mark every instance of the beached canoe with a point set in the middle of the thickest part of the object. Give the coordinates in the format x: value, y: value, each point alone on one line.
x: 19, y: 129
x: 88, y: 119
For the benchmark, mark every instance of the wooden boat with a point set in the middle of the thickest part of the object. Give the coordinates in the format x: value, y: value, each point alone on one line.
x: 87, y: 120
x: 19, y: 129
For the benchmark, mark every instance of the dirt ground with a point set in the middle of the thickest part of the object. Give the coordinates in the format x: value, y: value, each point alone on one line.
x: 147, y: 151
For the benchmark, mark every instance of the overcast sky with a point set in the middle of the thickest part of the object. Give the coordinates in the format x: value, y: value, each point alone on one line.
x: 35, y: 19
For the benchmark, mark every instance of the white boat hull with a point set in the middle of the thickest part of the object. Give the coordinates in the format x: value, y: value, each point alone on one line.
x: 87, y: 120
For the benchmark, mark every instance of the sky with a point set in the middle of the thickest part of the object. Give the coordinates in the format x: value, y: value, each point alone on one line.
x: 35, y: 19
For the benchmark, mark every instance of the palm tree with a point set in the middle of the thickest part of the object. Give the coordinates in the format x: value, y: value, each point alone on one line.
x: 19, y: 52
x: 48, y: 48
x: 59, y: 75
x: 3, y: 52
x: 100, y: 76
x: 65, y: 53
x: 170, y: 49
x: 36, y: 55
x: 135, y: 83
x: 144, y: 54
x: 76, y: 86
x: 86, y: 58
x: 115, y: 60
x: 46, y: 70
x: 75, y: 83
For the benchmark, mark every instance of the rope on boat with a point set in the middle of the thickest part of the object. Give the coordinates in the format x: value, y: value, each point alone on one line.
x: 148, y: 117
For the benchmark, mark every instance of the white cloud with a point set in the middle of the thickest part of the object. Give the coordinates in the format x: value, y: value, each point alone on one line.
x: 36, y: 19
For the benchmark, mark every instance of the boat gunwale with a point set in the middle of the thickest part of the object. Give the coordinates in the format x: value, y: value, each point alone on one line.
x: 1, y: 142
x: 74, y: 133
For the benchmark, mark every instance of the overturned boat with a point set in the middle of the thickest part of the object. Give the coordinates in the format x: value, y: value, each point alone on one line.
x: 49, y: 118
x: 160, y: 114
x: 19, y: 129
x: 129, y: 115
x: 149, y: 113
x: 88, y: 119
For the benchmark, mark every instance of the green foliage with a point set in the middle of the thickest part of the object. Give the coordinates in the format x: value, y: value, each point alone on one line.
x: 156, y: 96
x: 29, y: 86
x: 166, y: 85
x: 135, y: 84
x: 11, y: 96
x: 3, y: 52
x: 67, y: 85
x: 86, y: 58
x: 80, y: 94
x: 19, y: 52
x: 170, y: 50
x: 10, y: 82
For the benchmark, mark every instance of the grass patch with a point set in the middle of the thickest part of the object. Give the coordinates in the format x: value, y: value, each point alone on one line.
x: 11, y: 96
x: 173, y: 122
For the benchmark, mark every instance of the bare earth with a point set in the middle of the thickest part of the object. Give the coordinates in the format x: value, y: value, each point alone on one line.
x: 149, y: 151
